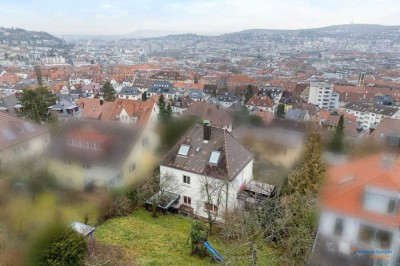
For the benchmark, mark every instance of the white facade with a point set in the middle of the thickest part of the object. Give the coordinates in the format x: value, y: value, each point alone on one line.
x: 322, y: 95
x: 226, y: 104
x: 263, y: 108
x: 351, y: 229
x: 123, y: 117
x: 195, y: 190
x: 367, y: 119
x: 137, y: 97
x: 56, y: 60
x: 178, y: 110
x: 24, y: 150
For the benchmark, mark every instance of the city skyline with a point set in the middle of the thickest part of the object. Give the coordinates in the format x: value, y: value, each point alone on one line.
x: 123, y: 17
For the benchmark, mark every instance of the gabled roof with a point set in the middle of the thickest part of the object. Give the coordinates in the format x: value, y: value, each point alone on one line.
x: 7, y: 103
x: 91, y: 86
x: 188, y: 86
x: 372, y: 108
x: 127, y: 90
x: 384, y: 127
x: 227, y: 97
x: 207, y: 111
x: 121, y: 139
x: 276, y: 135
x: 345, y: 184
x: 63, y: 104
x: 141, y: 110
x: 296, y: 114
x: 312, y: 109
x: 142, y: 83
x: 196, y: 94
x: 95, y: 109
x: 183, y: 102
x: 173, y: 75
x: 15, y: 130
x: 241, y: 79
x: 260, y: 101
x: 233, y: 155
x: 162, y: 87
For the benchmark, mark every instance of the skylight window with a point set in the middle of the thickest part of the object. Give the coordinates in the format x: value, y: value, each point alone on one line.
x: 8, y: 134
x: 214, y: 157
x: 183, y: 150
x: 29, y: 127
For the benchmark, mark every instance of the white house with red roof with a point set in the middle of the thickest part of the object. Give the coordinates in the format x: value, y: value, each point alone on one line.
x: 360, y: 216
x: 263, y: 103
x: 209, y: 167
x: 20, y: 139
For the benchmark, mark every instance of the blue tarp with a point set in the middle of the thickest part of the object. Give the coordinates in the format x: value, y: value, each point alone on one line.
x: 213, y: 251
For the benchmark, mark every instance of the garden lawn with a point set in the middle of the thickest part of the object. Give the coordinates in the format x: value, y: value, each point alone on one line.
x: 163, y: 240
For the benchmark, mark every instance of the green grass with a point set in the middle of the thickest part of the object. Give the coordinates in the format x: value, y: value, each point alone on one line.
x: 163, y: 240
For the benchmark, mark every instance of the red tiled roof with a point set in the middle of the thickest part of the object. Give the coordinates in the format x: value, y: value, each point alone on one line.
x: 140, y: 109
x: 364, y: 93
x: 384, y: 127
x: 240, y: 79
x: 208, y: 111
x: 267, y: 117
x: 346, y: 197
x: 95, y: 109
x: 184, y: 85
x: 262, y: 101
x: 88, y: 136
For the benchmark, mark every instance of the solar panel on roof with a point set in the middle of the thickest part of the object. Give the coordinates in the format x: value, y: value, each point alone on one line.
x: 28, y: 126
x: 183, y: 150
x: 8, y: 134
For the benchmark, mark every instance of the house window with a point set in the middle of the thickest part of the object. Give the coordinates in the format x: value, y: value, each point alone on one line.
x: 393, y: 141
x: 17, y: 150
x: 186, y: 179
x: 187, y: 200
x: 86, y: 166
x: 378, y: 203
x: 338, y: 227
x: 210, y: 207
x: 366, y: 233
x: 132, y: 167
x: 391, y: 206
x: 383, y: 239
x: 25, y: 147
x: 145, y: 142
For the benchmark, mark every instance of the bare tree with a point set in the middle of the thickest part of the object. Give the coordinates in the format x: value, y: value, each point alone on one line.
x: 215, y: 192
x: 159, y: 189
x: 243, y: 228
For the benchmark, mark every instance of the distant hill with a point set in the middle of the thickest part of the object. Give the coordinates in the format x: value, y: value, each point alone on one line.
x: 350, y: 28
x: 355, y: 30
x: 20, y: 36
x: 139, y: 34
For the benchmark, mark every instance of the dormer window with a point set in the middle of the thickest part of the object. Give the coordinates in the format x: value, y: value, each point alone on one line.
x: 378, y: 203
x: 214, y: 157
x: 184, y: 150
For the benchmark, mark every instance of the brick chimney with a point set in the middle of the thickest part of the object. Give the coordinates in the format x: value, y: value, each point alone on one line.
x: 206, y: 130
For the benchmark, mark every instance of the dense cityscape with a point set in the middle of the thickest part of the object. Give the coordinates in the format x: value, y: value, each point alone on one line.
x: 256, y: 147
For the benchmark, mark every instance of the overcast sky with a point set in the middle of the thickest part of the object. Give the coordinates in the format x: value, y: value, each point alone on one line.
x: 199, y: 16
